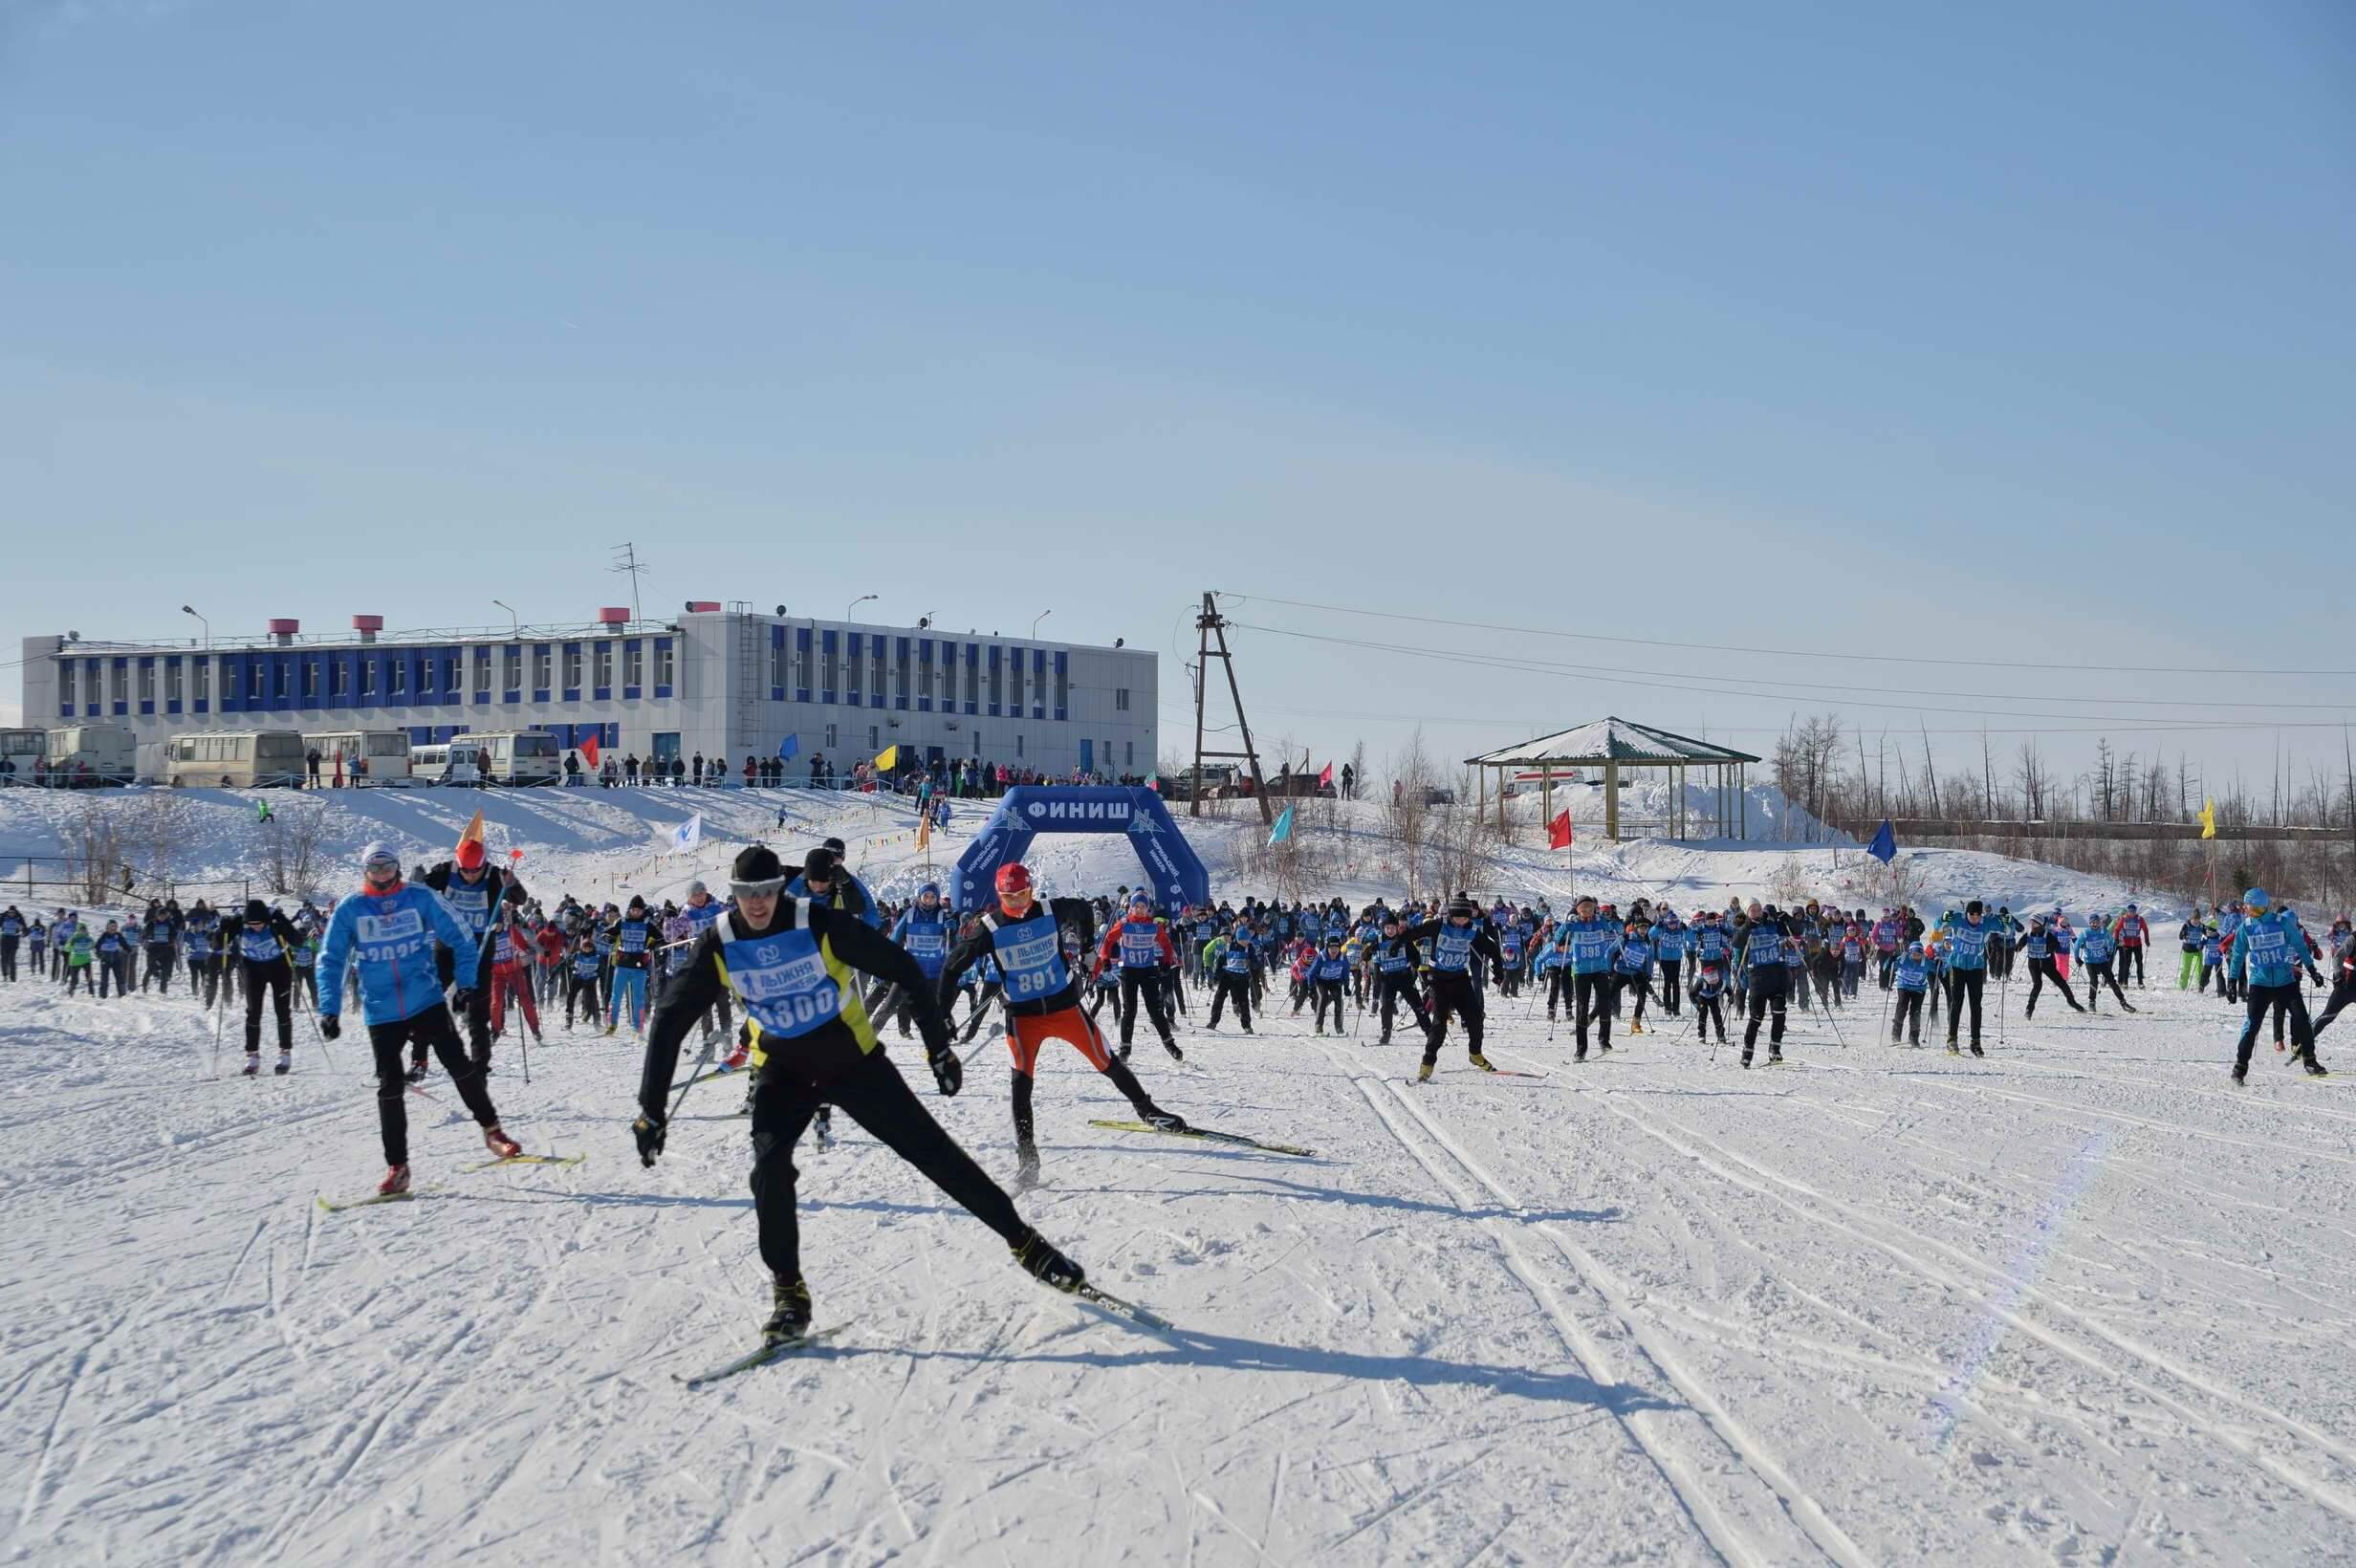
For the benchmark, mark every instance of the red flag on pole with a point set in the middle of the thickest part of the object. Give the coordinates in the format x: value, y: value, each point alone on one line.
x: 589, y: 749
x: 1558, y: 831
x: 1325, y: 780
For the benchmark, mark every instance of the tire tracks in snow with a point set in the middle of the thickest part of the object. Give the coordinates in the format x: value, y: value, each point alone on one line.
x: 1785, y: 1523
x: 1986, y: 1284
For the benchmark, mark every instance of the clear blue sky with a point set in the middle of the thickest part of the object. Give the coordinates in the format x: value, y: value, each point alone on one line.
x: 2010, y: 331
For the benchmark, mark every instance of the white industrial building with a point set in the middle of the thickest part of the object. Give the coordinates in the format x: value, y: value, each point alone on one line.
x: 725, y: 682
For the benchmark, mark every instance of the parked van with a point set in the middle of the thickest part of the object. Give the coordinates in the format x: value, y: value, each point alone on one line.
x: 238, y: 759
x: 370, y: 757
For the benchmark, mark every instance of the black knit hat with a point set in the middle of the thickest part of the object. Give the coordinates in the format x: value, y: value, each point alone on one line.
x: 757, y: 863
x: 256, y: 911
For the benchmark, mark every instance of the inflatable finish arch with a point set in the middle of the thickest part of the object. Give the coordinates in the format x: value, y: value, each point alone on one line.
x: 1172, y: 871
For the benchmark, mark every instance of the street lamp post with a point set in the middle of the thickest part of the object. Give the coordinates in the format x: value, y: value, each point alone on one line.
x: 856, y: 604
x: 1034, y: 624
x: 190, y: 609
x: 516, y: 629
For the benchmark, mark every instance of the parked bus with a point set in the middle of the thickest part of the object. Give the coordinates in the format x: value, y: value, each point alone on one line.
x: 21, y: 749
x: 238, y: 759
x: 370, y: 757
x: 450, y: 762
x: 516, y: 756
x: 93, y: 753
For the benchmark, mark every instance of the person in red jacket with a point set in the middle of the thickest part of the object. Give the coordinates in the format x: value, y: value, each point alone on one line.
x: 510, y: 952
x: 2132, y: 932
x: 1140, y: 947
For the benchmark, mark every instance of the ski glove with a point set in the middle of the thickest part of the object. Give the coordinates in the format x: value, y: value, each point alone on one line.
x: 460, y: 1000
x: 331, y: 1025
x: 649, y: 1131
x: 947, y: 1071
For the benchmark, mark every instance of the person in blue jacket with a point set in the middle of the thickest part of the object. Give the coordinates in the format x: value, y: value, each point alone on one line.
x: 388, y: 930
x: 2096, y: 948
x: 1911, y: 975
x: 1588, y: 940
x: 2269, y: 950
x: 844, y: 890
x: 924, y: 931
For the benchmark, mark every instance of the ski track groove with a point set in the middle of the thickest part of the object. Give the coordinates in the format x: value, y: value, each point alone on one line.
x: 1764, y: 1183
x: 1807, y: 1514
x: 1725, y: 1538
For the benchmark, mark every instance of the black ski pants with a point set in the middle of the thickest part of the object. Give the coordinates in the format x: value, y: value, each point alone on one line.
x: 8, y: 956
x: 432, y: 1030
x: 2096, y: 975
x: 159, y: 967
x: 1147, y: 983
x: 2288, y: 998
x: 1707, y: 1010
x: 1909, y: 1019
x: 1770, y: 994
x: 1591, y: 995
x: 2132, y: 958
x: 1453, y: 993
x: 1235, y: 987
x: 2043, y: 973
x: 2341, y: 995
x: 275, y: 978
x: 1394, y: 988
x: 1329, y: 992
x: 1964, y: 984
x: 878, y: 1099
x: 1669, y: 996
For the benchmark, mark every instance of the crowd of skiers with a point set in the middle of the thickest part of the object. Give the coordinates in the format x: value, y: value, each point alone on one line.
x: 443, y: 961
x: 962, y: 778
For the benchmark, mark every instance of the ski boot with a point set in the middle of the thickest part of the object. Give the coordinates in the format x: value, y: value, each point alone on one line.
x: 417, y: 1070
x: 2315, y: 1069
x: 613, y: 1025
x: 823, y: 1127
x: 735, y: 1059
x: 1162, y: 1121
x: 254, y: 1063
x: 1122, y: 1053
x: 1423, y: 1073
x: 396, y: 1181
x: 1977, y: 1050
x: 1026, y: 1166
x: 1775, y: 1057
x: 1636, y: 1028
x: 1176, y: 1054
x: 500, y: 1144
x: 1043, y: 1263
x: 1482, y: 1062
x: 286, y: 1065
x: 789, y: 1312
x: 1951, y: 1050
x: 2241, y: 1075
x: 1746, y: 1055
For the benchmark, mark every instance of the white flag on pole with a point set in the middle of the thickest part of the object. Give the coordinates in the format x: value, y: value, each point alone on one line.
x: 688, y: 834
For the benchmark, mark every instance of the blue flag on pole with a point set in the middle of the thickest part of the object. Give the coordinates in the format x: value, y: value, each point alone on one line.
x: 1283, y: 829
x: 1884, y: 845
x: 787, y: 747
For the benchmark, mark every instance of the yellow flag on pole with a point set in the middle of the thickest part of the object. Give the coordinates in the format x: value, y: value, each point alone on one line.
x: 2209, y: 819
x: 888, y: 758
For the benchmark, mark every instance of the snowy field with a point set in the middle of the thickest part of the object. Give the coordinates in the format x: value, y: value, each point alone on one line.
x: 2080, y: 1302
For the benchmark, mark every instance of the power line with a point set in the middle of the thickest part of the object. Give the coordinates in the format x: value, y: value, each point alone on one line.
x: 1786, y: 653
x: 1524, y: 666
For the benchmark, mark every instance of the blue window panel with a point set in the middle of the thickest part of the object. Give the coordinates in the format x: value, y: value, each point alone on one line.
x: 923, y: 675
x: 65, y: 709
x: 232, y: 677
x: 572, y: 650
x: 900, y: 657
x: 973, y: 662
x: 629, y: 647
x: 776, y: 640
x: 995, y: 677
x: 1039, y: 682
x: 1087, y: 755
x: 421, y: 734
x: 198, y: 705
x: 1063, y: 670
x: 852, y: 653
x: 826, y: 647
x: 421, y: 666
x: 482, y: 698
x: 146, y: 705
x: 601, y: 694
x: 662, y: 646
x: 801, y: 646
x: 516, y: 693
x: 170, y: 706
x: 282, y: 678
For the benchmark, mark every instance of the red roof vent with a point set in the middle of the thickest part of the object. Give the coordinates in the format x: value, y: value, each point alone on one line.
x: 367, y: 625
x: 284, y: 631
x: 703, y: 606
x: 614, y: 616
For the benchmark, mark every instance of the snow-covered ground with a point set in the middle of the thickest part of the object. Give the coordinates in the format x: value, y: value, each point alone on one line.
x: 2078, y: 1302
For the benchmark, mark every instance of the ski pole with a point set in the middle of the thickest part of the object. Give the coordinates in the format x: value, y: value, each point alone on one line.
x: 693, y: 1078
x: 216, y: 1035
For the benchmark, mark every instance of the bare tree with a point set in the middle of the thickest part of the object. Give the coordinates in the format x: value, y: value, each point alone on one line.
x: 292, y: 839
x: 94, y: 849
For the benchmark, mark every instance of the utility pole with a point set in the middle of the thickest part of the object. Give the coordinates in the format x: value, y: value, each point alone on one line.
x: 1206, y: 626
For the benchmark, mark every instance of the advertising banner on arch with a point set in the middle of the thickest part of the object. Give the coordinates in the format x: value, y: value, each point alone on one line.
x: 1172, y: 870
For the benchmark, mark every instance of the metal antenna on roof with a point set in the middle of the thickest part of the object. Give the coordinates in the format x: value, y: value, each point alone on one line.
x: 625, y: 559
